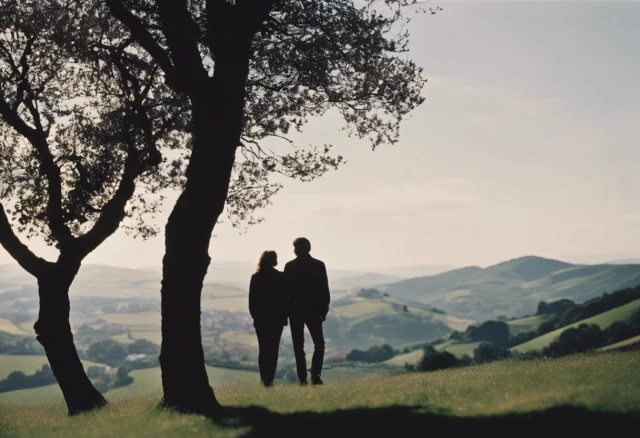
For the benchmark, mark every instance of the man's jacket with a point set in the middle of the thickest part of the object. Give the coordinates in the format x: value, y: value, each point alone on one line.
x: 307, y: 287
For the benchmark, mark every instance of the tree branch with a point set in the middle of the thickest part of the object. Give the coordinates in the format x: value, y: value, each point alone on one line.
x: 142, y: 35
x: 254, y: 13
x: 182, y: 36
x: 37, y: 138
x: 31, y: 263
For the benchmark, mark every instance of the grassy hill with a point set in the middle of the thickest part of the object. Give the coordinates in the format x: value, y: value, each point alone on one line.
x: 604, y: 320
x: 458, y: 349
x: 370, y: 318
x: 627, y: 343
x: 514, y: 287
x: 592, y: 394
x: 9, y: 327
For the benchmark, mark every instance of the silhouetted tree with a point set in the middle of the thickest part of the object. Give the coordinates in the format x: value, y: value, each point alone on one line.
x: 79, y: 127
x: 496, y: 332
x: 487, y: 352
x: 253, y: 70
x: 374, y: 354
x: 433, y: 360
x: 555, y: 308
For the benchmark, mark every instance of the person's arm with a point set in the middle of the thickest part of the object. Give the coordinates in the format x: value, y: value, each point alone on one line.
x: 252, y: 296
x: 285, y: 299
x: 325, y: 294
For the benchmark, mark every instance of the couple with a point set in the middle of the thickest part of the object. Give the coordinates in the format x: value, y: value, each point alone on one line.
x: 301, y: 294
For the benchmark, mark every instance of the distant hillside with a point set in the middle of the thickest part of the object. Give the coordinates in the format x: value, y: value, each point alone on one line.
x: 603, y: 320
x: 362, y: 281
x: 370, y: 318
x: 513, y: 288
x: 102, y: 280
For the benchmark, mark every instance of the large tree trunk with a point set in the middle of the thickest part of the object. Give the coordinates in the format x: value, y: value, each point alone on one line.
x: 54, y: 333
x: 217, y: 124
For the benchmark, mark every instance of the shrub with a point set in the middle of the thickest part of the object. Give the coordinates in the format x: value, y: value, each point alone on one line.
x: 433, y: 360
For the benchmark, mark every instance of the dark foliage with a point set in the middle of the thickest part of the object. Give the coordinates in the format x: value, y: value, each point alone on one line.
x: 19, y: 380
x: 555, y: 308
x: 16, y: 344
x: 588, y: 337
x: 488, y: 352
x: 496, y: 332
x: 375, y: 354
x: 433, y: 360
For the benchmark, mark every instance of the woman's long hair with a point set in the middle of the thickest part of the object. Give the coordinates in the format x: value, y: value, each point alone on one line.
x: 268, y: 259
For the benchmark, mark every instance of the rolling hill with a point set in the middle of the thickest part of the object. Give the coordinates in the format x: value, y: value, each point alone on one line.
x: 513, y: 288
x: 371, y: 318
x: 604, y: 320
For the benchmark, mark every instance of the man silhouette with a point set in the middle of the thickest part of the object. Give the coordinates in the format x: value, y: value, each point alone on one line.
x: 308, y: 292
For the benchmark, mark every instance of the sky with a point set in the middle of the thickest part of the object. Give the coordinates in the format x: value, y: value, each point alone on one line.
x: 528, y: 143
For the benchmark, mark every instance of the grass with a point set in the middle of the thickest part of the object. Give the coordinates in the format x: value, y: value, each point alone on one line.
x: 603, y: 320
x: 592, y: 393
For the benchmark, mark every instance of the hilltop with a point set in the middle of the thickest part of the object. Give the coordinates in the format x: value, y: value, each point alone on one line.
x: 514, y: 287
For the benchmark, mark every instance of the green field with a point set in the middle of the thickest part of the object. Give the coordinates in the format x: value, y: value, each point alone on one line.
x: 143, y: 325
x: 26, y: 364
x: 145, y: 381
x: 9, y: 327
x: 622, y: 344
x: 523, y: 325
x: 591, y: 394
x: 603, y: 320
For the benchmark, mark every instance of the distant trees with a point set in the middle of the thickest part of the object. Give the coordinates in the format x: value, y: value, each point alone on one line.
x: 555, y: 308
x: 16, y: 344
x: 374, y: 354
x: 574, y: 340
x: 19, y: 380
x: 488, y: 352
x: 496, y: 332
x: 433, y: 360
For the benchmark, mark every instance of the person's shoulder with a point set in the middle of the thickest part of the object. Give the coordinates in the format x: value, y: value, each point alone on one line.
x: 290, y: 264
x: 318, y: 262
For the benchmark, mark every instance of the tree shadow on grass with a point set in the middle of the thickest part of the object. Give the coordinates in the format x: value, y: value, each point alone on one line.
x: 398, y: 421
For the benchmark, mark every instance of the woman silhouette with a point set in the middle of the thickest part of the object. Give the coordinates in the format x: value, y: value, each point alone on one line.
x: 268, y: 308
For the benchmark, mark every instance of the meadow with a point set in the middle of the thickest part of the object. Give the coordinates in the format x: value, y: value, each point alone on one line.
x: 581, y: 395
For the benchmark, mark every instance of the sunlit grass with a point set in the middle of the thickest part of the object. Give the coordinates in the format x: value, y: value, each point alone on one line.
x: 607, y: 382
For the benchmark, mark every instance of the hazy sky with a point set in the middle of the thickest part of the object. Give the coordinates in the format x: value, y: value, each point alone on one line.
x: 528, y: 143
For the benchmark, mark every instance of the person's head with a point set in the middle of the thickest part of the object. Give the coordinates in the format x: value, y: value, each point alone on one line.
x: 301, y: 246
x: 268, y: 259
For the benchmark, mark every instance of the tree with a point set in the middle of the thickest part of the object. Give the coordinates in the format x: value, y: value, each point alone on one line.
x: 486, y: 352
x: 496, y: 332
x: 253, y: 70
x: 433, y: 360
x: 81, y: 121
